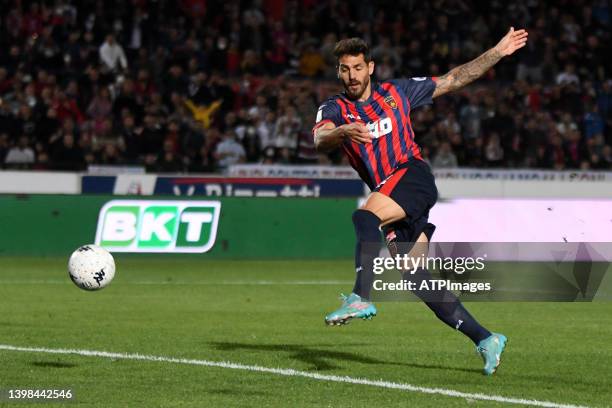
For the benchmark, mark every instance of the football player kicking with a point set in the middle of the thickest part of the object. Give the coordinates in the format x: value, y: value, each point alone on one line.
x: 370, y: 122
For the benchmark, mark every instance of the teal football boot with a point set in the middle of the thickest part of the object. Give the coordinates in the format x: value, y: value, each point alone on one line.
x: 491, y: 349
x: 353, y: 306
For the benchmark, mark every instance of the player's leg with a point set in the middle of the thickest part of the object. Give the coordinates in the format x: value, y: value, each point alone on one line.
x: 378, y: 210
x: 409, y: 192
x: 446, y: 306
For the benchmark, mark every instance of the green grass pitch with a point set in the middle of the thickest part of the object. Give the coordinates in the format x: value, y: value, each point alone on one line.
x: 270, y: 314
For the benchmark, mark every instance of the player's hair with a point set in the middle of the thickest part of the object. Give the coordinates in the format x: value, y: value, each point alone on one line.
x: 352, y: 46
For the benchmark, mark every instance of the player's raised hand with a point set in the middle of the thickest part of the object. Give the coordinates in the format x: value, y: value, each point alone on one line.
x: 511, y: 42
x: 358, y: 132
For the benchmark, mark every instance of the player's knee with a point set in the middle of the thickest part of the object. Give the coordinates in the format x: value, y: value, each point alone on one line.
x: 366, y: 226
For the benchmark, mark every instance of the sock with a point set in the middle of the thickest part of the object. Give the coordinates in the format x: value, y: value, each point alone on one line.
x: 367, y: 248
x: 448, y: 308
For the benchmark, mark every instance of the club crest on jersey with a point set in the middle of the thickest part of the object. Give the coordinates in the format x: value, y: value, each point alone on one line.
x: 390, y: 102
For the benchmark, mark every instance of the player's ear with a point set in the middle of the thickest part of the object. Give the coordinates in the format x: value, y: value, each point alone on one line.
x: 371, y: 67
x: 338, y: 71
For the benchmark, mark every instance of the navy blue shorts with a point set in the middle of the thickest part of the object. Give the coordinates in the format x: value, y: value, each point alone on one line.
x: 412, y: 187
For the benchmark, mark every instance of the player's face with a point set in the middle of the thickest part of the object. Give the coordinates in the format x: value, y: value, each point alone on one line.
x: 355, y: 73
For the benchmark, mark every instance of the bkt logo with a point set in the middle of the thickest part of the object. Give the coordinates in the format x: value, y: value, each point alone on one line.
x: 380, y: 127
x: 158, y: 226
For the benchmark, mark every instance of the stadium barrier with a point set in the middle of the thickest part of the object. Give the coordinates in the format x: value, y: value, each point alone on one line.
x: 39, y: 182
x: 311, y: 181
x: 277, y: 217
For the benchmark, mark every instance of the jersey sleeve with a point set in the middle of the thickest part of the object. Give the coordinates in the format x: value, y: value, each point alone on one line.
x: 418, y: 90
x: 329, y: 112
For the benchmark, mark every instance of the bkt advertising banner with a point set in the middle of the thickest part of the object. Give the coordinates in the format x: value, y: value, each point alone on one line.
x: 158, y: 226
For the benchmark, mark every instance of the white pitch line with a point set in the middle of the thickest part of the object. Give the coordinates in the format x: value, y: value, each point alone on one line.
x: 294, y: 373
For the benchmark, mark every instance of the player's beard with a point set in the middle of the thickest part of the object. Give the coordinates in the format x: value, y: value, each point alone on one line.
x: 355, y: 92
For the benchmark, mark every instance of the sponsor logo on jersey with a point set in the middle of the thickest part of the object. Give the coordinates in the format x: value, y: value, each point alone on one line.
x: 380, y: 128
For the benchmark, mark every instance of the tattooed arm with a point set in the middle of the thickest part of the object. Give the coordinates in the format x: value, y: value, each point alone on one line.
x: 462, y: 75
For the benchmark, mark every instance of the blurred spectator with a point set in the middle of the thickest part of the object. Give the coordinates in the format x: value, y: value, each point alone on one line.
x: 265, y: 130
x: 593, y: 123
x: 606, y: 157
x: 20, y: 156
x: 110, y: 155
x: 260, y: 109
x: 566, y: 124
x: 473, y: 153
x: 530, y: 60
x: 204, y: 160
x: 246, y: 133
x: 4, y: 146
x: 100, y: 108
x: 126, y: 101
x: 470, y: 116
x: 568, y: 76
x: 444, y: 158
x: 151, y: 135
x: 67, y: 155
x: 168, y: 161
x: 493, y: 152
x: 327, y: 54
x: 287, y: 129
x: 130, y: 139
x: 112, y: 55
x: 311, y: 62
x: 604, y: 99
x: 229, y: 151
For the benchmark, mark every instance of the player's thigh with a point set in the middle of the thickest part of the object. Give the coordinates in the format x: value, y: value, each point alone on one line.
x: 384, y: 207
x: 409, y: 192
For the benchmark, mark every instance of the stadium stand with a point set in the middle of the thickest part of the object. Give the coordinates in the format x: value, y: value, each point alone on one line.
x: 196, y: 85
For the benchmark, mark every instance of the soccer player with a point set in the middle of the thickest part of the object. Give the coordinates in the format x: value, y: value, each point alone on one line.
x: 370, y: 122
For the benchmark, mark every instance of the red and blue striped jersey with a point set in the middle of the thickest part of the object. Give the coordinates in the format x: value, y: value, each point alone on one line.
x: 386, y: 113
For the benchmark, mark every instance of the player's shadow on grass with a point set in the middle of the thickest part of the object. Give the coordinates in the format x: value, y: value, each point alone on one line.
x: 235, y: 391
x: 320, y: 358
x: 52, y: 364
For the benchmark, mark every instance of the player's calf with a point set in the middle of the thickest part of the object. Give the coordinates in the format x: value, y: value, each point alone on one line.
x: 366, y: 249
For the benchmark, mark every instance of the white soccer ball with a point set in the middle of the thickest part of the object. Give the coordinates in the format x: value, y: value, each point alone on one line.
x: 91, y: 267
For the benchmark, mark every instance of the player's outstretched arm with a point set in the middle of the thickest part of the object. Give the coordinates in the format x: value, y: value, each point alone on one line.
x: 328, y: 137
x: 464, y: 74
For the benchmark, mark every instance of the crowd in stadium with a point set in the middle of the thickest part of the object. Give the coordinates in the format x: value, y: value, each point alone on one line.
x: 196, y: 86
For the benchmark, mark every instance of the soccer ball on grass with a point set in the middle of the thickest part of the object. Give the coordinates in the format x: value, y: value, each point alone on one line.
x: 91, y: 267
